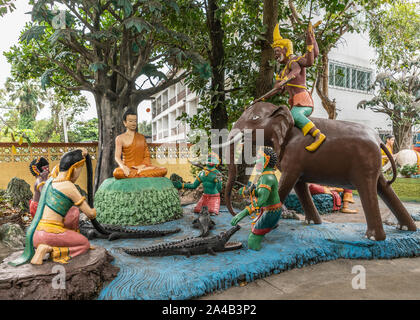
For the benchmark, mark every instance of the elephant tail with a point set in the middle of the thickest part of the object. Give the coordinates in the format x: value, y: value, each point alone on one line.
x: 392, y: 161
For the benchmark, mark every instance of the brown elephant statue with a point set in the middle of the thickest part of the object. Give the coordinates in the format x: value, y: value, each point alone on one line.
x: 349, y: 158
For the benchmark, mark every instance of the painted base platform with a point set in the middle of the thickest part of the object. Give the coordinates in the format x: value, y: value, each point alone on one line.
x: 323, y: 202
x: 137, y: 201
x: 84, y: 276
x: 292, y: 244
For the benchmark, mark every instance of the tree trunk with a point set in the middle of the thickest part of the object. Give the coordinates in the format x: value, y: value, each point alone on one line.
x: 110, y: 114
x: 265, y: 77
x: 322, y: 88
x: 403, y: 136
x: 219, y: 118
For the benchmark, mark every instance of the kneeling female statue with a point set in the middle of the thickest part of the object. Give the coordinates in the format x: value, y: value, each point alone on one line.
x: 54, y: 228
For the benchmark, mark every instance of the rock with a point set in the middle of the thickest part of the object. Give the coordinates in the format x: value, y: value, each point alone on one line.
x: 84, y: 277
x: 12, y: 236
x: 189, y: 196
x: 416, y: 216
x: 19, y: 192
x: 390, y: 220
x: 290, y: 214
x: 240, y: 204
x: 4, y: 251
x: 137, y: 201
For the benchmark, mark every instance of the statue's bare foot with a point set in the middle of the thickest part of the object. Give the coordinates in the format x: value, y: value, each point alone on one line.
x: 40, y: 253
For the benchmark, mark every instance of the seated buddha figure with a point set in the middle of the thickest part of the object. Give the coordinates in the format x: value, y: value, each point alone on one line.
x: 132, y: 153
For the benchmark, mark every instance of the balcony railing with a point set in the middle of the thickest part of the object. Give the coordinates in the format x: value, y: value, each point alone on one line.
x: 181, y: 95
x: 172, y: 101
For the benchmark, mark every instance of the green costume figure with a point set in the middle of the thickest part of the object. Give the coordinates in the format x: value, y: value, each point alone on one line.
x: 266, y: 199
x: 212, y: 184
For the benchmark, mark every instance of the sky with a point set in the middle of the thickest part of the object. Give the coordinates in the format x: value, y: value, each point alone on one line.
x: 11, y: 26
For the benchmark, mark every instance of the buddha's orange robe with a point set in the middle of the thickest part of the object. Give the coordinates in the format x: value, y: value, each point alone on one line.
x: 135, y: 155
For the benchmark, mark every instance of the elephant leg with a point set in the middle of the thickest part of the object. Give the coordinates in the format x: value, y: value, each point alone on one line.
x: 305, y: 198
x: 286, y: 184
x: 405, y: 222
x: 368, y: 195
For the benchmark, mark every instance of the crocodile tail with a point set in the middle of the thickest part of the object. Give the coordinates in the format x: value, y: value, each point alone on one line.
x: 161, y: 249
x: 391, y: 159
x: 155, y: 250
x: 127, y: 233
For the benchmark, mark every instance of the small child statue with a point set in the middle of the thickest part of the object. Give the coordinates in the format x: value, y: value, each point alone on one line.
x: 40, y: 168
x: 266, y: 199
x: 212, y: 184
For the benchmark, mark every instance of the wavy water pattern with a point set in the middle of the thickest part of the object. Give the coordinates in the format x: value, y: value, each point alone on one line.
x: 292, y: 244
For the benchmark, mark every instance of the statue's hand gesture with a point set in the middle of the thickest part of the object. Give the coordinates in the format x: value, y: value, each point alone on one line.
x: 92, y: 214
x: 139, y: 168
x: 126, y: 170
x: 235, y: 220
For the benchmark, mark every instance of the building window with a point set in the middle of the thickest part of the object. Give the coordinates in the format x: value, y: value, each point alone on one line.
x: 349, y: 77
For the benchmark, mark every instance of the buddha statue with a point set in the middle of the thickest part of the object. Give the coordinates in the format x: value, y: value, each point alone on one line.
x: 132, y: 153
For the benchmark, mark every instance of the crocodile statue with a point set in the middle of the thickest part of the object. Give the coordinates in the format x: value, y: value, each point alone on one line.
x: 117, y: 232
x: 190, y: 246
x: 203, y: 222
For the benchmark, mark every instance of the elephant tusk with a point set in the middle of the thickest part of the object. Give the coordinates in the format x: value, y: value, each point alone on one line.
x: 236, y: 138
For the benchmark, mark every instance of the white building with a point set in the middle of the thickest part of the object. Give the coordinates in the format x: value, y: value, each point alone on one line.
x: 167, y: 106
x: 350, y: 71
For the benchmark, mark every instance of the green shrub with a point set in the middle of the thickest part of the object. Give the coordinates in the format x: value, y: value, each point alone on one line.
x: 407, y: 171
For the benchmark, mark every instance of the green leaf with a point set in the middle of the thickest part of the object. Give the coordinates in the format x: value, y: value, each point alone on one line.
x: 57, y: 35
x: 102, y: 35
x: 135, y: 48
x: 137, y: 23
x: 151, y: 70
x: 126, y: 5
x: 155, y: 6
x: 174, y: 5
x: 46, y: 77
x: 63, y: 55
x: 35, y: 32
x: 97, y: 66
x: 28, y: 141
x: 204, y: 70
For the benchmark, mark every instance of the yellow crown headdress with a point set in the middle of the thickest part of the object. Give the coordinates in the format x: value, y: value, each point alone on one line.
x: 278, y: 41
x: 54, y: 173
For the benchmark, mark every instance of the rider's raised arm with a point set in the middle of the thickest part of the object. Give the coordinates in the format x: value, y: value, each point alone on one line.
x: 308, y: 59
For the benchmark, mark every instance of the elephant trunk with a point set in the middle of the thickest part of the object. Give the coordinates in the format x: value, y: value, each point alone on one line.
x: 231, y: 179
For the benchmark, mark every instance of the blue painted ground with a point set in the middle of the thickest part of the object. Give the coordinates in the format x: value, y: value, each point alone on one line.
x: 292, y: 244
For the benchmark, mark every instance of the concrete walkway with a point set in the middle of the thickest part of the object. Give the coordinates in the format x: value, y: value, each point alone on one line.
x: 385, y: 279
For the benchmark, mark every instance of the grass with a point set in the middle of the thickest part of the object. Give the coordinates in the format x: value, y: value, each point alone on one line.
x: 407, y: 189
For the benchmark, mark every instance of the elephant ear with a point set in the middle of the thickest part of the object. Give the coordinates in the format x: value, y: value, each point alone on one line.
x: 283, y: 122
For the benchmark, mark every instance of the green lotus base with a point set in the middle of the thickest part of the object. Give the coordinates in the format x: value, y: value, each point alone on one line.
x: 137, y: 201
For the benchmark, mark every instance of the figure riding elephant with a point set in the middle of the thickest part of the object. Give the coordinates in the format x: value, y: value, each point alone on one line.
x: 349, y: 158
